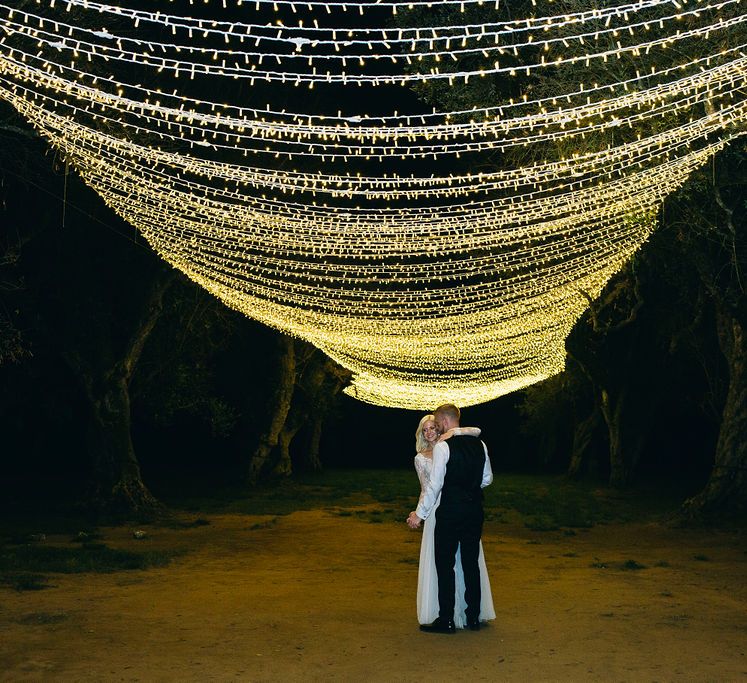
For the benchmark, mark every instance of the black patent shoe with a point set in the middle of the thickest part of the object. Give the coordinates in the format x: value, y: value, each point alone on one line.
x: 439, y: 626
x: 473, y: 624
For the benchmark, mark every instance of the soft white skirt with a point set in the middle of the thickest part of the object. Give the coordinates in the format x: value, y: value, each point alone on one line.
x: 428, y: 581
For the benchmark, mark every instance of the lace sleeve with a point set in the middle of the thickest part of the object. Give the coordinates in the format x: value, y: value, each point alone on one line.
x: 421, y: 468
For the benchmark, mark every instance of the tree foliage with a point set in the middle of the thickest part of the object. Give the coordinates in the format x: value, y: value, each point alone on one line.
x: 107, y: 352
x: 662, y: 348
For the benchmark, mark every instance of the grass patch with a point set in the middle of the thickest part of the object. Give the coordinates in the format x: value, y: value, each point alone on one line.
x: 541, y: 523
x: 333, y: 488
x: 20, y: 538
x: 41, y: 618
x: 86, y: 537
x: 627, y: 566
x: 540, y: 502
x: 24, y: 581
x: 495, y: 516
x: 175, y: 523
x: 264, y: 525
x: 568, y: 504
x: 90, y: 557
x: 21, y: 526
x: 548, y: 503
x: 632, y: 565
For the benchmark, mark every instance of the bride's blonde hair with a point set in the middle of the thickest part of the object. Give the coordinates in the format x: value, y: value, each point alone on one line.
x: 420, y: 443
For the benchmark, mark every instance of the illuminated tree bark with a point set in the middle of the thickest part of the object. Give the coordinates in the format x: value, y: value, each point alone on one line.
x: 280, y: 404
x: 626, y: 416
x: 726, y: 490
x: 583, y: 439
x: 313, y: 455
x: 293, y: 424
x: 321, y: 391
x: 714, y: 222
x: 117, y: 486
x: 603, y: 345
x: 317, y: 385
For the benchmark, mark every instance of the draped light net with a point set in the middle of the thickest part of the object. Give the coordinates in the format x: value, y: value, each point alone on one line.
x: 439, y: 255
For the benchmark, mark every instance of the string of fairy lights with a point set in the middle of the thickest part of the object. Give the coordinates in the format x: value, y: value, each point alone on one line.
x: 329, y: 142
x: 440, y: 255
x: 240, y: 64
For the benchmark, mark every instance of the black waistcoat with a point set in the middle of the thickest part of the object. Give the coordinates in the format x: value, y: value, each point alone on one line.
x: 463, y: 471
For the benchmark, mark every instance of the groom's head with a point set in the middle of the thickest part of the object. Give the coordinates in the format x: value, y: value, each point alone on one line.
x: 447, y: 417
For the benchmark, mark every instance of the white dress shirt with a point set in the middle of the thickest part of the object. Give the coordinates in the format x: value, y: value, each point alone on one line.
x: 440, y: 458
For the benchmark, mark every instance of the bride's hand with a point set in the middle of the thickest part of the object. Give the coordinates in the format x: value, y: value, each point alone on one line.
x: 413, y: 521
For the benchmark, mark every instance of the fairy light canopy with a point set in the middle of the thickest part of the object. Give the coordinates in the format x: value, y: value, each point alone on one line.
x: 274, y: 152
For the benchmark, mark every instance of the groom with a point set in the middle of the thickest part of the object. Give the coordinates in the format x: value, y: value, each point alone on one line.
x: 461, y: 469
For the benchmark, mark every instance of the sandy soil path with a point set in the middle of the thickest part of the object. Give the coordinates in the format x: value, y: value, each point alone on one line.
x: 321, y: 597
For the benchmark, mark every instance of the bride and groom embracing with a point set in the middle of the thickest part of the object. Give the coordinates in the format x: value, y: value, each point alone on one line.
x: 453, y: 467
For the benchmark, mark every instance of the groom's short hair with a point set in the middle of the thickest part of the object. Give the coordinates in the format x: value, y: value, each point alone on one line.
x: 449, y: 410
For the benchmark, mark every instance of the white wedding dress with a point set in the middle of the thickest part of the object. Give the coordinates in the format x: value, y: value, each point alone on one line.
x: 428, y: 579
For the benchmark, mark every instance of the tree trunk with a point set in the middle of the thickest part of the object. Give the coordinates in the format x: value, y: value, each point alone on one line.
x: 313, y: 456
x: 618, y: 468
x: 117, y: 486
x: 309, y: 400
x: 583, y: 439
x: 284, y: 466
x: 280, y: 406
x: 726, y: 490
x: 626, y: 428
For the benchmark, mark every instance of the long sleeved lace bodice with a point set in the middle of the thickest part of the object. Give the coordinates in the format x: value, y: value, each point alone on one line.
x: 423, y: 466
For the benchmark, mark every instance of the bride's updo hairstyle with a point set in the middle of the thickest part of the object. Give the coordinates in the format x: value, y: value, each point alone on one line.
x: 420, y: 443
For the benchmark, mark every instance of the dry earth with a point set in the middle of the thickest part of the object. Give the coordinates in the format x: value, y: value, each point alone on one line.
x: 321, y: 597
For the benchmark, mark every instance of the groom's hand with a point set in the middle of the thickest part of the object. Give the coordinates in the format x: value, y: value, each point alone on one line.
x: 413, y: 521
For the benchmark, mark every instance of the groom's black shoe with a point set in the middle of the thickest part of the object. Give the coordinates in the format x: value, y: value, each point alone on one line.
x: 439, y: 626
x: 473, y: 624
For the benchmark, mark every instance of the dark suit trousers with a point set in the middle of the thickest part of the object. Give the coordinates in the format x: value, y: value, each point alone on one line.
x: 458, y: 525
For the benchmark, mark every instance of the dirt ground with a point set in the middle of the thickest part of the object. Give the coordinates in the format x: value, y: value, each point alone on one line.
x: 317, y: 596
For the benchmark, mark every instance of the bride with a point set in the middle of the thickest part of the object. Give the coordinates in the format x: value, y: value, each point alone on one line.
x: 425, y: 438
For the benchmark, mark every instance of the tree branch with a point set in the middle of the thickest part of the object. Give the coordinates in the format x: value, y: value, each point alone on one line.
x: 151, y: 313
x: 633, y: 311
x: 592, y: 312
